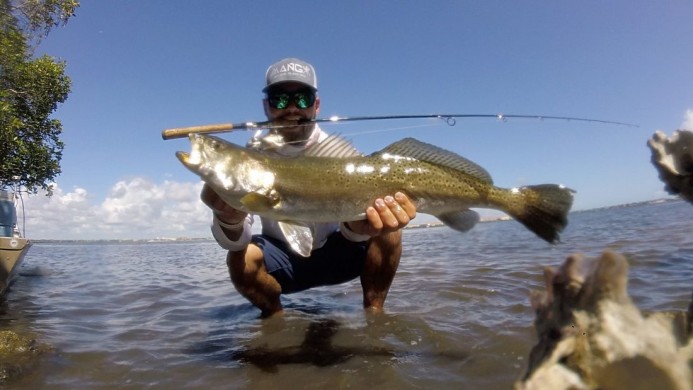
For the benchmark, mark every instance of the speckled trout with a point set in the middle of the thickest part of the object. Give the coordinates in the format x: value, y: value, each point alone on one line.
x: 333, y: 182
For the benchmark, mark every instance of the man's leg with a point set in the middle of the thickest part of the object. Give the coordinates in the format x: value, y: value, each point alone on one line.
x: 382, y: 260
x: 249, y: 276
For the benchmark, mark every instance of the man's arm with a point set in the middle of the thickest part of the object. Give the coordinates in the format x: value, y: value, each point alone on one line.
x: 230, y: 227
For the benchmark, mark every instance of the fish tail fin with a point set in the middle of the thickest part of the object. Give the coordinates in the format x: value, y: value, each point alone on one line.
x: 543, y: 210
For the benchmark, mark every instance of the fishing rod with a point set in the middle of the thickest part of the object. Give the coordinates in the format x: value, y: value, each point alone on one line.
x: 450, y: 120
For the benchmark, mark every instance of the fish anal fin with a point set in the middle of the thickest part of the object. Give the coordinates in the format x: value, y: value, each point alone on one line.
x: 461, y: 221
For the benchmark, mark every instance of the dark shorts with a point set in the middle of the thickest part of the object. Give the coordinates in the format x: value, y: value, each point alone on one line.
x: 338, y: 261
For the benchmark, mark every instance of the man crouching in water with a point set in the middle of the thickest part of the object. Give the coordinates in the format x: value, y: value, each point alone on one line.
x: 262, y: 267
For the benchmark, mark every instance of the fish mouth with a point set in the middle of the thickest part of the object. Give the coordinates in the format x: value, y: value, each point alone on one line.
x: 194, y: 158
x: 186, y: 160
x: 183, y: 157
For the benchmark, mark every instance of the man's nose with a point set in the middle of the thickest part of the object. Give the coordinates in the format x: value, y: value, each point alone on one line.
x: 291, y: 108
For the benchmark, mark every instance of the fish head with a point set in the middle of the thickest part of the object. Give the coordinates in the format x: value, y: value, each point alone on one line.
x: 231, y: 170
x: 215, y: 160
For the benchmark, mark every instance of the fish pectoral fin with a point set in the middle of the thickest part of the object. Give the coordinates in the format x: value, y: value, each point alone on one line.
x: 460, y: 220
x: 299, y: 236
x: 257, y: 202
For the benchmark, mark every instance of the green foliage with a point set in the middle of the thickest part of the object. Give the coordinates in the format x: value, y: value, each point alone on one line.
x: 30, y: 90
x: 37, y: 17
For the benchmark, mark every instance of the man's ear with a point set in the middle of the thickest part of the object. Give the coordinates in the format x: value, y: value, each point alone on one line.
x: 317, y: 106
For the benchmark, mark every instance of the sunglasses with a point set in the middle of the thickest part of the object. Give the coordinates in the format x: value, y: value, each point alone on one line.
x: 280, y: 100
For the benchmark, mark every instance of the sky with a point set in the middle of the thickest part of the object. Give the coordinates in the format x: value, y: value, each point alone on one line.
x: 139, y: 67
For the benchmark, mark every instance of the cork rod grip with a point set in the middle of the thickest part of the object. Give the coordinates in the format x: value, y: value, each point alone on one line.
x: 181, y: 132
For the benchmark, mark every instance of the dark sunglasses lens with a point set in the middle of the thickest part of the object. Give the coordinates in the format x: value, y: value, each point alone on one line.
x: 279, y: 100
x: 304, y: 100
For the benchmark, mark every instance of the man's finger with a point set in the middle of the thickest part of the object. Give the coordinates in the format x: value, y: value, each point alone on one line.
x: 407, y: 205
x: 375, y: 223
x: 387, y: 211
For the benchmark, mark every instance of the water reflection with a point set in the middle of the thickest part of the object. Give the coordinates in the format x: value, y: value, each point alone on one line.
x: 322, y: 342
x: 316, y: 349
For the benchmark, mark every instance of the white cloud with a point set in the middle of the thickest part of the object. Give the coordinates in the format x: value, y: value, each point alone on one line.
x: 688, y: 120
x: 134, y: 209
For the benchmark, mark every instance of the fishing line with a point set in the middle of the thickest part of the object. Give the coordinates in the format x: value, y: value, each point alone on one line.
x: 258, y: 134
x: 388, y: 129
x: 448, y: 121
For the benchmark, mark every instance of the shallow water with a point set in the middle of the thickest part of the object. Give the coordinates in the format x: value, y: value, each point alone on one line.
x: 133, y: 315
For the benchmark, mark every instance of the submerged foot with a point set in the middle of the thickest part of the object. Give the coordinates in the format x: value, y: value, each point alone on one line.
x: 272, y: 313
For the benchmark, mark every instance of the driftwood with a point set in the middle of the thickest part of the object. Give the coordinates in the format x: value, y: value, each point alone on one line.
x: 591, y: 335
x: 673, y: 159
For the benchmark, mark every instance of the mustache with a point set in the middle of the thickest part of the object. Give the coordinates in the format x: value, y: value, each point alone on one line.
x: 292, y: 116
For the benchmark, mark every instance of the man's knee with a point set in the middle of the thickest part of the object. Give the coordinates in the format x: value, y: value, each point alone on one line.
x: 387, y: 243
x: 244, y: 265
x: 394, y: 238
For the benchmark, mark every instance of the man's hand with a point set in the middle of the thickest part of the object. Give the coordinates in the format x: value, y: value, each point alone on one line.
x: 224, y: 213
x: 387, y: 215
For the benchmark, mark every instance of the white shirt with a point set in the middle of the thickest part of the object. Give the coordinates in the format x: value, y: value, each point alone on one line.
x: 321, y: 231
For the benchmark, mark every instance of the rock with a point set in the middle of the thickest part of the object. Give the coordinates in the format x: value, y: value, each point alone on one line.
x: 18, y: 353
x: 591, y: 335
x: 673, y: 159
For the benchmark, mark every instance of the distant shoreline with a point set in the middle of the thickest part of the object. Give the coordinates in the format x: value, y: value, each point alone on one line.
x: 500, y: 218
x: 645, y: 202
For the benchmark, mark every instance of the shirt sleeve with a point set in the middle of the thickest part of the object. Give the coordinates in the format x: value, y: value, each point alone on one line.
x: 350, y: 235
x: 228, y: 244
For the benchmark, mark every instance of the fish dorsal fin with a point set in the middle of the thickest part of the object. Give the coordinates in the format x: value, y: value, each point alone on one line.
x: 413, y: 148
x: 333, y: 146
